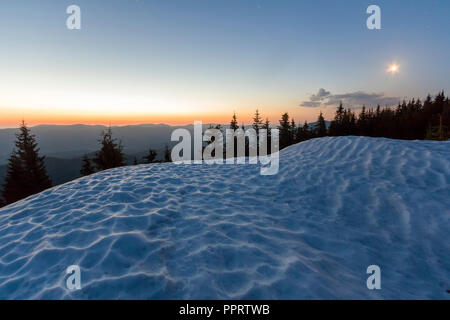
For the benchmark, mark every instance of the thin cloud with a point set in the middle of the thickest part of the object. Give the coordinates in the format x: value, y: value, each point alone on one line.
x: 351, y: 100
x: 311, y: 104
x: 320, y: 95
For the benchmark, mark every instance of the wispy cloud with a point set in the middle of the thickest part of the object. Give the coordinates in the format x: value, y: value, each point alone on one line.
x: 320, y: 95
x: 349, y: 100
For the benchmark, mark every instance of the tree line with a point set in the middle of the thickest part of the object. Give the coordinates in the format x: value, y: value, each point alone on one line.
x: 413, y: 119
x: 409, y: 120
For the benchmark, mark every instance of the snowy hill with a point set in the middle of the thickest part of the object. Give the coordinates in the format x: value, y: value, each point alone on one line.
x: 172, y: 231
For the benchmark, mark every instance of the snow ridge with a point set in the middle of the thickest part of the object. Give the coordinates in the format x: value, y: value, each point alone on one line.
x: 172, y: 231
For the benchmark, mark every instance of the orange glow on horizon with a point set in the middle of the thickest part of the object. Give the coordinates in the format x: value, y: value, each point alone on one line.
x: 108, y: 120
x: 32, y: 120
x: 12, y: 118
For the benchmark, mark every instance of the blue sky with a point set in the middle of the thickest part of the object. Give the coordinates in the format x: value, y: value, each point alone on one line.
x: 176, y: 60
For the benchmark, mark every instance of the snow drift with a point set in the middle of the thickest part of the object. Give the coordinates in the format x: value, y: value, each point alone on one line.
x: 168, y: 231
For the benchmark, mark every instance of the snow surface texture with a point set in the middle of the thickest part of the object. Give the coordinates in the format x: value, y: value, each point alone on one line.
x: 173, y: 231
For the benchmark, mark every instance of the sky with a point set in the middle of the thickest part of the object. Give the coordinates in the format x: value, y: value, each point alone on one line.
x: 143, y: 61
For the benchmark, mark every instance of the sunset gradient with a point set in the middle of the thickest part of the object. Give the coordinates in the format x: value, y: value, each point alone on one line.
x: 178, y: 61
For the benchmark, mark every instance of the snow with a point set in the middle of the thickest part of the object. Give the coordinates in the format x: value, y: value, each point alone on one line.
x: 172, y: 231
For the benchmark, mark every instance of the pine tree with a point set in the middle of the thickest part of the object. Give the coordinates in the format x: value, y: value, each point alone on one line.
x: 86, y: 167
x: 233, y: 123
x: 285, y: 131
x: 307, y: 131
x: 300, y: 135
x: 352, y: 126
x: 234, y: 126
x: 135, y: 162
x: 339, y: 113
x: 438, y: 132
x: 111, y: 154
x: 266, y: 126
x: 362, y: 122
x: 26, y: 174
x: 167, y: 155
x: 257, y: 121
x: 321, y: 128
x: 293, y: 130
x: 336, y: 126
x: 151, y: 156
x: 14, y: 187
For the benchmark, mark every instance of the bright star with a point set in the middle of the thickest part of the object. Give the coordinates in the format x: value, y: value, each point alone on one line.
x: 393, y: 68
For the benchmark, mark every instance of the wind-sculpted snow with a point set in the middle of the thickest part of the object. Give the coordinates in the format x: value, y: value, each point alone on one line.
x: 169, y: 231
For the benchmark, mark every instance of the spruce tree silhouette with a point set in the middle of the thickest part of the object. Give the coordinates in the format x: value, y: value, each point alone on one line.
x: 439, y: 132
x: 111, y: 154
x: 285, y: 131
x: 362, y: 122
x: 233, y: 123
x: 151, y: 156
x: 86, y: 167
x: 26, y: 173
x: 234, y: 126
x: 266, y: 125
x: 321, y: 127
x: 300, y: 134
x: 257, y: 121
x: 336, y: 124
x: 14, y: 187
x: 307, y: 131
x: 167, y: 155
x: 294, y: 130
